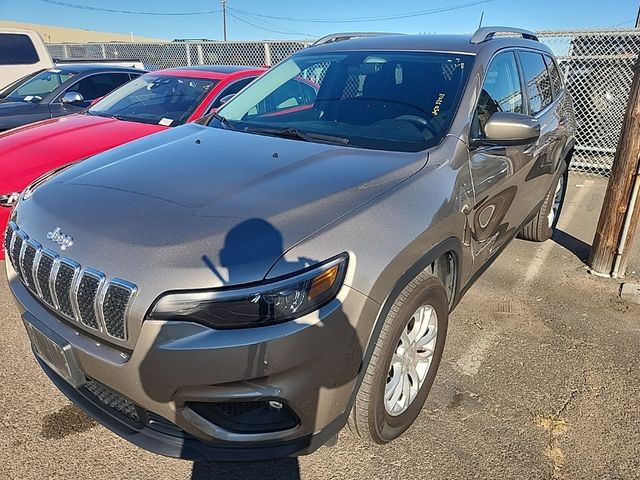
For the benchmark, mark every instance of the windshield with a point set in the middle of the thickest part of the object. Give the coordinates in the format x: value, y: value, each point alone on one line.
x: 157, y: 99
x: 40, y: 85
x: 400, y: 101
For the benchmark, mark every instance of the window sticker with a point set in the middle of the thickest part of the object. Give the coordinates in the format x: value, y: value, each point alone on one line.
x: 436, y: 107
x: 166, y: 122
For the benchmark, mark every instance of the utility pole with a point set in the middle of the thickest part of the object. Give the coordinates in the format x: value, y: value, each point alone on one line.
x: 224, y: 19
x: 621, y: 206
x: 638, y: 18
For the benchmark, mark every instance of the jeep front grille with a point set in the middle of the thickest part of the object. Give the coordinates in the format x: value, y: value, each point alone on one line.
x: 82, y: 295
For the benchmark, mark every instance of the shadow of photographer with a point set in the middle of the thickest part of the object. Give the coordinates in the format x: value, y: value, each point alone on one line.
x: 311, y: 363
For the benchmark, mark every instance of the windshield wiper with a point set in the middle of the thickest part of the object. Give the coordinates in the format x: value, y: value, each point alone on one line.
x: 291, y: 132
x: 225, y: 123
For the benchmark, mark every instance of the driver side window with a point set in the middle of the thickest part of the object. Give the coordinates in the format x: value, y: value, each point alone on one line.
x: 501, y: 91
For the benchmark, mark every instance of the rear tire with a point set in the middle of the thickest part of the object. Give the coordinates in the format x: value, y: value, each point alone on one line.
x: 542, y: 225
x: 406, y: 359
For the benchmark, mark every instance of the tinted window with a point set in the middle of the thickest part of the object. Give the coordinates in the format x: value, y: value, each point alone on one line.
x: 556, y: 79
x: 17, y: 49
x: 537, y: 80
x: 232, y: 90
x: 501, y: 91
x: 96, y: 86
x: 40, y: 85
x: 398, y: 101
x: 163, y: 100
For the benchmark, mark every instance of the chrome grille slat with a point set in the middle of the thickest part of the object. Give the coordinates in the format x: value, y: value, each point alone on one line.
x: 8, y: 236
x: 86, y: 295
x: 43, y: 275
x: 81, y: 295
x: 115, y: 304
x: 63, y: 286
x: 19, y: 238
x: 27, y: 261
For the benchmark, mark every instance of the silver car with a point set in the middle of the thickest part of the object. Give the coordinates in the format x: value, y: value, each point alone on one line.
x: 243, y: 288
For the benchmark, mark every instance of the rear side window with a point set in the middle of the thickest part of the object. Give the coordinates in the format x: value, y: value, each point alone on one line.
x: 17, y: 49
x: 501, y: 91
x: 556, y: 79
x: 537, y: 80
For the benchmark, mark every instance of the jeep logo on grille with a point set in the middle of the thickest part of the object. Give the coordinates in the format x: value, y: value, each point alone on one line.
x: 65, y: 241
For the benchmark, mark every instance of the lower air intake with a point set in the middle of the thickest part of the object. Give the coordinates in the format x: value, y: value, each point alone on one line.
x: 113, y: 400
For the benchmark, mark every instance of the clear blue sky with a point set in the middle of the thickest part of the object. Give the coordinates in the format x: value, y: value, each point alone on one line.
x: 536, y: 15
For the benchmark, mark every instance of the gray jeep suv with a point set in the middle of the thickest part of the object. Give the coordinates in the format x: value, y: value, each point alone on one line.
x: 241, y: 289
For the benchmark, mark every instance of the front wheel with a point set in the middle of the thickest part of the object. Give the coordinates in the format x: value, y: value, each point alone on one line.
x: 404, y: 362
x: 541, y: 226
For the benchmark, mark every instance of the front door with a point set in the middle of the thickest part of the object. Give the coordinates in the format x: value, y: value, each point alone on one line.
x: 499, y: 173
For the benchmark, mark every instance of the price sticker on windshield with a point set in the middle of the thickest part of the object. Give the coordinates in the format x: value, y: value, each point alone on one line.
x: 166, y: 122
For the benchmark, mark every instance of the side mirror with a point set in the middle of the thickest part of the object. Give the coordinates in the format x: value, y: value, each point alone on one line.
x: 226, y: 98
x: 71, y: 98
x: 507, y: 129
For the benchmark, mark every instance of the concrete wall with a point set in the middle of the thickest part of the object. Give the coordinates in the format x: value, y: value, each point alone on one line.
x: 53, y: 34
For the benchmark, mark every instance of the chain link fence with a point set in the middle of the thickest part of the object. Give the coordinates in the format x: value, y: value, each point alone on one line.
x: 598, y: 70
x: 179, y: 54
x: 597, y: 66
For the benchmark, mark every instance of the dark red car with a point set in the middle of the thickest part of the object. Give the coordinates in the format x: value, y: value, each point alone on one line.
x: 148, y: 104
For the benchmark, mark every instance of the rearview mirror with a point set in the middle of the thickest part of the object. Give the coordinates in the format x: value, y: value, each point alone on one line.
x: 72, y: 98
x: 506, y: 129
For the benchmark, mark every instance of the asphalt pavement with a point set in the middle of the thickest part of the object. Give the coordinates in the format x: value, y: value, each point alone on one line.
x: 539, y: 380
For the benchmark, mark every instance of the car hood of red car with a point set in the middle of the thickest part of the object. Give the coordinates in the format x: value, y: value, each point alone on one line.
x: 33, y: 150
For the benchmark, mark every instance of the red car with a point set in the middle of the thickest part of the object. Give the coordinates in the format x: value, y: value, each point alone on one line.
x: 148, y: 104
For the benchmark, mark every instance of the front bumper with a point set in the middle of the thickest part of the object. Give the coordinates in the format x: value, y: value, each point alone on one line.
x: 310, y: 365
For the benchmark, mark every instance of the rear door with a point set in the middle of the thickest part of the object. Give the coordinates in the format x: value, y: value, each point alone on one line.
x: 500, y: 174
x: 548, y: 112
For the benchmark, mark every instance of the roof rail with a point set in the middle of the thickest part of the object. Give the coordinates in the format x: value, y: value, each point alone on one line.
x: 338, y: 37
x: 486, y: 33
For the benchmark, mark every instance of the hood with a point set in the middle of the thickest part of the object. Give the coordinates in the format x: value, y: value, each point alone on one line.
x: 199, y: 207
x: 30, y: 151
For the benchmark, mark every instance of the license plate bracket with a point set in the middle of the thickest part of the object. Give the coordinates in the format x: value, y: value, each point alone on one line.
x: 54, y: 351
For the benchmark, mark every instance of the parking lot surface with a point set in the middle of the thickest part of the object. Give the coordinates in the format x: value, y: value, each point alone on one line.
x: 539, y: 380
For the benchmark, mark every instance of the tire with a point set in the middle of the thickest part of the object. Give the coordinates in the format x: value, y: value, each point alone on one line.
x: 542, y: 225
x: 371, y: 418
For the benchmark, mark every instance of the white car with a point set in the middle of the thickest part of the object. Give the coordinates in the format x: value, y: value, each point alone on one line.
x: 22, y: 52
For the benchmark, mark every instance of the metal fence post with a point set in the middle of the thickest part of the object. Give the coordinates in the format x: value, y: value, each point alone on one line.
x: 200, y: 55
x: 186, y: 45
x: 267, y: 54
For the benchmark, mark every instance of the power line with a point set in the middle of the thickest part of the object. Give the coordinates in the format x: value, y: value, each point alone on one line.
x: 379, y: 18
x: 231, y: 14
x: 281, y: 28
x: 129, y: 12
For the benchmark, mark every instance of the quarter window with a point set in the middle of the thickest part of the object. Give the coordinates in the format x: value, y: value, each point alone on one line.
x: 556, y: 79
x: 501, y: 91
x: 537, y: 81
x: 17, y: 49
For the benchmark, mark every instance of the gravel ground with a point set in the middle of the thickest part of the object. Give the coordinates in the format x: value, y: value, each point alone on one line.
x: 539, y: 380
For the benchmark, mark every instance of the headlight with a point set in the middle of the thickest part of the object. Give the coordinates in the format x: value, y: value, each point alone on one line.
x: 267, y: 304
x: 9, y: 199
